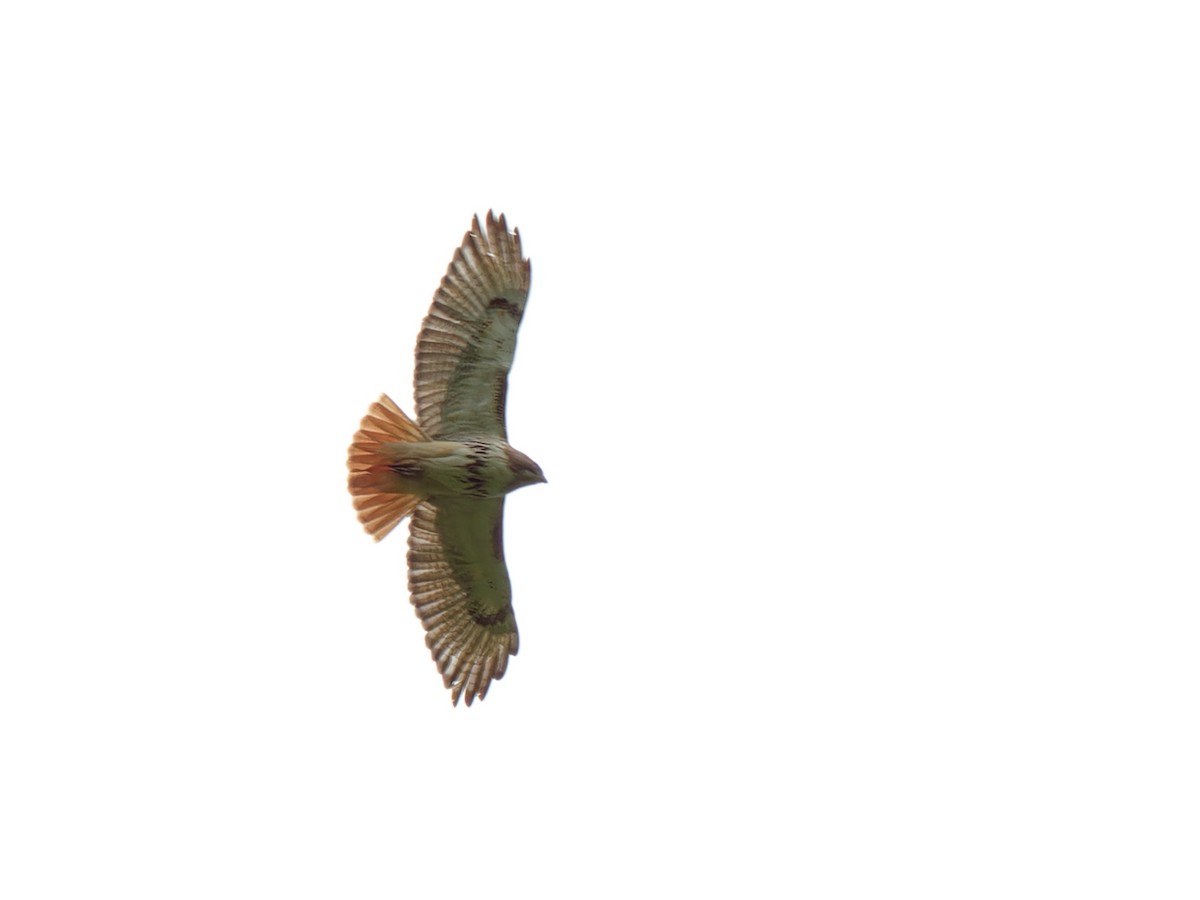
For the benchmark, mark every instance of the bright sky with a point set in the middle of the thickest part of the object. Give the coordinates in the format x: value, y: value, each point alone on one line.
x: 861, y: 358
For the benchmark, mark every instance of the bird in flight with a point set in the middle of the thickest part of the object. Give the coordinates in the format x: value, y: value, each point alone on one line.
x: 450, y: 469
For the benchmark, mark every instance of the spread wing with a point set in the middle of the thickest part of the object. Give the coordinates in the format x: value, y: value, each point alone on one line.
x: 460, y: 589
x: 466, y: 344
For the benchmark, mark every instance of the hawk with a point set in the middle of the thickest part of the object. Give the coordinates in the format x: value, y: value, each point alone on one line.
x: 451, y: 468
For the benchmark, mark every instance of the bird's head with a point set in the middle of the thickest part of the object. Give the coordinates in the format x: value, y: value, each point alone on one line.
x: 525, y: 470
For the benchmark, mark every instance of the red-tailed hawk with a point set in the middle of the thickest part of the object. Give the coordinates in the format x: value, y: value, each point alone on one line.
x: 451, y: 468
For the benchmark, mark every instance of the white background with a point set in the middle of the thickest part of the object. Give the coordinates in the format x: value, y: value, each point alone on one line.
x: 861, y: 358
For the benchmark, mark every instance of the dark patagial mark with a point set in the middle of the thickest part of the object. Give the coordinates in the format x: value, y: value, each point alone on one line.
x: 507, y: 305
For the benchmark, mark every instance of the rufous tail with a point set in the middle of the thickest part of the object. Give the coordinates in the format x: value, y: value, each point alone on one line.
x: 372, y: 480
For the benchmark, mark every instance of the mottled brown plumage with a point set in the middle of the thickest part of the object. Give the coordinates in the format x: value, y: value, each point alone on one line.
x: 451, y: 469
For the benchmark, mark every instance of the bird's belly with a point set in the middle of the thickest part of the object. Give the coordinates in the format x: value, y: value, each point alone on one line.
x: 452, y: 468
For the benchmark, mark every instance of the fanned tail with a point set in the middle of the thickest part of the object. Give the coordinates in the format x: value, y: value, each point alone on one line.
x: 374, y: 484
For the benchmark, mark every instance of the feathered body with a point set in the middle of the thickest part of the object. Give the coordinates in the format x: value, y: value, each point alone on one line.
x: 451, y: 469
x: 445, y: 469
